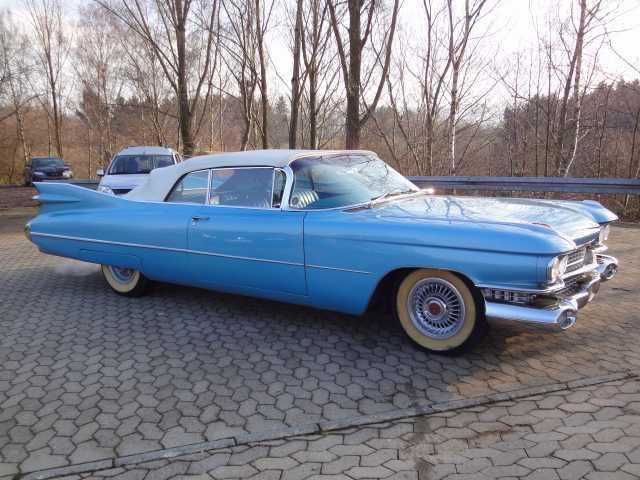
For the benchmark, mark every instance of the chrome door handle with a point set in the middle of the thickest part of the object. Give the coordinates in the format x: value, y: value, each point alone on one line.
x: 197, y: 218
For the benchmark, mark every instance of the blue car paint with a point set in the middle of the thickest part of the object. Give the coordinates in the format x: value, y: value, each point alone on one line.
x: 245, y: 247
x: 331, y: 259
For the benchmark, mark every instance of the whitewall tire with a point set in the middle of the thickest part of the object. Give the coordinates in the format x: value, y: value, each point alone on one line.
x: 125, y: 281
x: 438, y: 311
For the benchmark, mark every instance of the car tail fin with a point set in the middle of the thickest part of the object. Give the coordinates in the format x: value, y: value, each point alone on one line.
x: 54, y: 197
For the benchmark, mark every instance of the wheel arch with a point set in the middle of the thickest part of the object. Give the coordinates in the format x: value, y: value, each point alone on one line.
x: 389, y: 282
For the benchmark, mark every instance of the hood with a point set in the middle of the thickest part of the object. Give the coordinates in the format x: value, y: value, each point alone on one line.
x: 124, y: 181
x: 569, y: 223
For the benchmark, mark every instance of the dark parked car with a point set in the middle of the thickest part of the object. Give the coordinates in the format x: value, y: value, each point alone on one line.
x: 46, y: 168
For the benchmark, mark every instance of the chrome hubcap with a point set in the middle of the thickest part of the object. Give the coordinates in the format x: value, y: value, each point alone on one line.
x: 122, y: 275
x: 436, y: 308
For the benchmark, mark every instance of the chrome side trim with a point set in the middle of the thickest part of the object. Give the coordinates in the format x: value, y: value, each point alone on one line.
x: 196, y: 252
x: 339, y: 269
x: 169, y: 249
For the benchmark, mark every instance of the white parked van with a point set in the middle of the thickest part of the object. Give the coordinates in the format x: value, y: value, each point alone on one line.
x: 131, y: 166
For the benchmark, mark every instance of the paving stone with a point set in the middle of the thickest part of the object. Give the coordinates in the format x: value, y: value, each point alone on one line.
x: 369, y: 472
x: 301, y: 472
x: 235, y: 471
x: 577, y: 454
x: 474, y: 466
x: 341, y: 464
x: 542, y: 463
x: 575, y: 470
x: 542, y: 474
x: 275, y: 463
x: 506, y: 471
x: 610, y: 462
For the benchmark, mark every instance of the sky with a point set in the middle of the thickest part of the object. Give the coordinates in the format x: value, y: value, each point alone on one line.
x: 511, y: 26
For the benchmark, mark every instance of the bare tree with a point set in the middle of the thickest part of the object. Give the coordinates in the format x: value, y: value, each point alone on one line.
x: 321, y: 70
x: 426, y: 80
x: 356, y: 82
x: 569, y: 117
x: 52, y: 46
x: 241, y: 61
x: 99, y: 66
x: 459, y: 36
x: 182, y: 36
x: 144, y: 76
x: 246, y: 24
x: 14, y: 73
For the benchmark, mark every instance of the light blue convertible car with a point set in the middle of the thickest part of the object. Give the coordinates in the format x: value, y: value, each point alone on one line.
x: 337, y: 230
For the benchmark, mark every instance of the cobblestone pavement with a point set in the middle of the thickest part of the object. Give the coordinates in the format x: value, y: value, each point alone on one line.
x: 86, y: 374
x: 591, y: 432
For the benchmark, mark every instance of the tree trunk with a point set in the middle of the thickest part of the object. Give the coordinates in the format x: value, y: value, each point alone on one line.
x: 184, y: 114
x: 352, y: 124
x: 295, y: 78
x: 313, y: 108
x: 264, y: 99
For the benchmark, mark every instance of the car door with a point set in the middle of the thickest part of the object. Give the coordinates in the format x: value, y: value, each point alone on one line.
x: 241, y: 240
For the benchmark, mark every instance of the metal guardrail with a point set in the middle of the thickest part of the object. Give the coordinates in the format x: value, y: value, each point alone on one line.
x: 621, y: 186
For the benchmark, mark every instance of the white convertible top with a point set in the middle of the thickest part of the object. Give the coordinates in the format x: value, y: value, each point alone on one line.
x: 162, y: 180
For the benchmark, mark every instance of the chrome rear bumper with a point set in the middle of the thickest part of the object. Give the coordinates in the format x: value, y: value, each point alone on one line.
x: 559, y: 315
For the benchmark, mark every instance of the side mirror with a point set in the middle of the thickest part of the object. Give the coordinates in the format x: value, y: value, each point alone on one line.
x: 100, y: 172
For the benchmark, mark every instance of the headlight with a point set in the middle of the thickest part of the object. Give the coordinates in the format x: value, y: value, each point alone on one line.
x: 38, y: 174
x: 105, y: 189
x: 557, y: 267
x: 67, y: 174
x: 604, y: 234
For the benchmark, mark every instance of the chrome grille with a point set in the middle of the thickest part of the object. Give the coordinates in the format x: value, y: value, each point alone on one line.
x: 576, y: 260
x: 507, y: 296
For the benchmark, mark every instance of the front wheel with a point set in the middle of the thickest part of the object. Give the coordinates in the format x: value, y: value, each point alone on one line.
x: 437, y: 310
x: 125, y: 281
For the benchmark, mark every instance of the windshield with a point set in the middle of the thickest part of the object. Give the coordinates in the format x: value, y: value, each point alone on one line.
x: 47, y: 162
x: 343, y: 180
x: 138, y: 164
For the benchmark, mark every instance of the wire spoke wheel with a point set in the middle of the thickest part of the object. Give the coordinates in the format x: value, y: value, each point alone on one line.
x: 436, y: 308
x: 438, y: 311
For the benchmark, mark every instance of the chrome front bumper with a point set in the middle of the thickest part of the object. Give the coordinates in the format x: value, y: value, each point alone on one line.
x: 607, y: 267
x: 562, y: 313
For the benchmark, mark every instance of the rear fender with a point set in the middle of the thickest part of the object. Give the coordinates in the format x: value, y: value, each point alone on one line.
x: 56, y: 197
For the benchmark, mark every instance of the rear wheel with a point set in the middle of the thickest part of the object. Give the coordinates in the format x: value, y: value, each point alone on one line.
x: 125, y: 281
x: 438, y: 311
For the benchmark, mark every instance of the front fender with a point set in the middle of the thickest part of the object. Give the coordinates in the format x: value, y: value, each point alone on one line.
x: 357, y: 254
